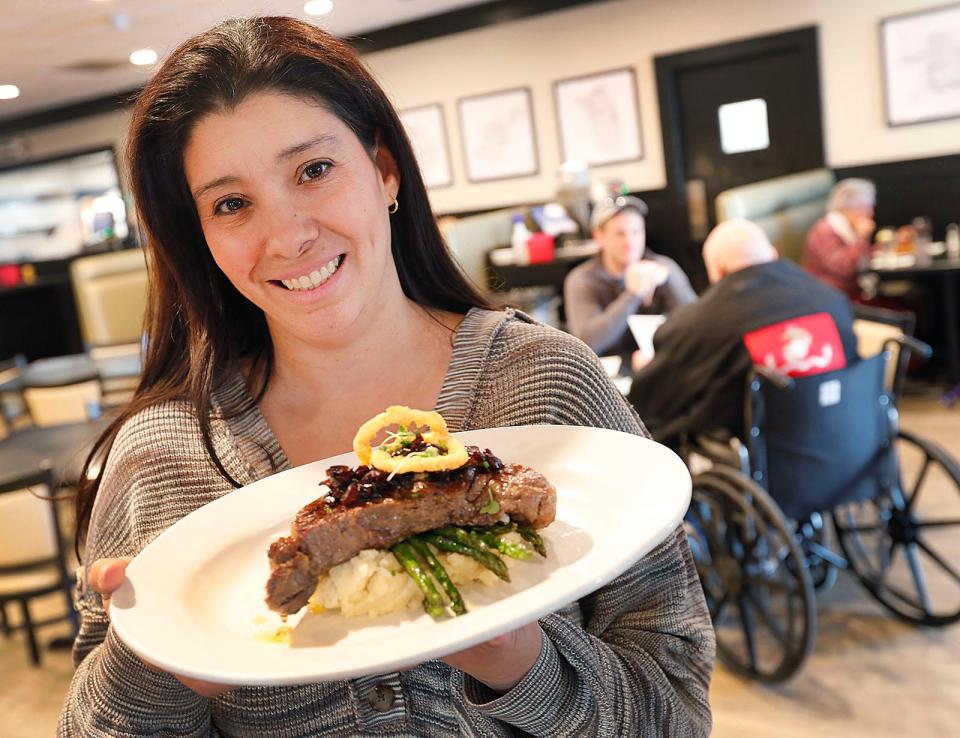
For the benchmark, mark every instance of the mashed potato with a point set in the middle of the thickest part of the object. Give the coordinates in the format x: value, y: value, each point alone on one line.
x: 374, y: 583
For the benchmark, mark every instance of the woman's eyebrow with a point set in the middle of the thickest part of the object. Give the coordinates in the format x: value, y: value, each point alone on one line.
x: 324, y: 138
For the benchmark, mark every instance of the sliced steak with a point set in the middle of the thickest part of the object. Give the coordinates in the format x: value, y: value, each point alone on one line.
x: 366, y: 508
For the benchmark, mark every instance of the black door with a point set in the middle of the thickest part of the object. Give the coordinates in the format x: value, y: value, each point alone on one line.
x: 777, y: 75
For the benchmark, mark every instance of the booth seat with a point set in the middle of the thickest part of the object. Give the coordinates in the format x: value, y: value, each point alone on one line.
x: 471, y: 237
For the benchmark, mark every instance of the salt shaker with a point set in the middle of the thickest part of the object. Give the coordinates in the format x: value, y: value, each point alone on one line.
x: 953, y: 241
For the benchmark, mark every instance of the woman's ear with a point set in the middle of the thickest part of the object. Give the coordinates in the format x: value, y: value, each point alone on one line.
x: 389, y: 172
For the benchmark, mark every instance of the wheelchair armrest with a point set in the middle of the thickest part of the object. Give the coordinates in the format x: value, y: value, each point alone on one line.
x: 776, y: 378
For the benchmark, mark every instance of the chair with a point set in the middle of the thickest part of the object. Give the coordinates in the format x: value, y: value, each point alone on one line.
x: 111, y: 294
x: 117, y: 390
x: 471, y: 237
x: 877, y: 329
x: 13, y: 410
x: 784, y: 207
x: 32, y: 555
x: 68, y: 403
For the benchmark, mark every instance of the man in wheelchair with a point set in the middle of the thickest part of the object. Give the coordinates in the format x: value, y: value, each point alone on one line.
x: 759, y: 310
x: 768, y: 355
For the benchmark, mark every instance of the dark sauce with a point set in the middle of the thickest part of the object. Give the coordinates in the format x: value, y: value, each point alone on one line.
x: 352, y: 487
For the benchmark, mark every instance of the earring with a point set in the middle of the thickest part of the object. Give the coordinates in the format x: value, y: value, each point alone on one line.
x: 393, y: 207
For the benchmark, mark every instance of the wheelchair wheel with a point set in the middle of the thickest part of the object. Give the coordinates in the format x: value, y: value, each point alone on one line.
x: 753, y: 576
x: 904, y: 545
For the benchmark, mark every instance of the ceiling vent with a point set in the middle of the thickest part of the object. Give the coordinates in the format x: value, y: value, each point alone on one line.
x: 97, y: 66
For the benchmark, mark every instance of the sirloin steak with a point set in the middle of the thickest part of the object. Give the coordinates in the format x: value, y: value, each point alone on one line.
x: 365, y: 508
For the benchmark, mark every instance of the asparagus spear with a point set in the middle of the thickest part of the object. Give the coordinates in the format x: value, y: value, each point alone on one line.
x: 490, y: 560
x: 440, y: 574
x: 533, y: 538
x: 494, y: 541
x: 432, y: 601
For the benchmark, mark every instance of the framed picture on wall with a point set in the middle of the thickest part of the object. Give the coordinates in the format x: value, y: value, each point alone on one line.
x: 498, y: 136
x: 428, y: 135
x: 599, y: 117
x: 921, y: 65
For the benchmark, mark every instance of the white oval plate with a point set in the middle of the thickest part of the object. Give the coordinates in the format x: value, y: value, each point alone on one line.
x: 193, y: 599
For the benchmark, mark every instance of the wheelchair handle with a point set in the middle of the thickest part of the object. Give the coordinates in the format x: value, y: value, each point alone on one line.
x: 777, y: 378
x: 909, y: 343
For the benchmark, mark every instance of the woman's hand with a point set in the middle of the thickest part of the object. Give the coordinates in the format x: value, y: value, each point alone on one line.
x: 501, y: 662
x: 105, y: 576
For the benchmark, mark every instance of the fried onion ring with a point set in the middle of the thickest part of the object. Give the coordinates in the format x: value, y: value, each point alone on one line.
x: 438, y: 435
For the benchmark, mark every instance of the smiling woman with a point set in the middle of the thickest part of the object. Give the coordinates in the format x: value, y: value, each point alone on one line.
x: 299, y: 285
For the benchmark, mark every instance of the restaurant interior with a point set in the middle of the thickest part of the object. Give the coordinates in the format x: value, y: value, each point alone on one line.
x: 530, y: 118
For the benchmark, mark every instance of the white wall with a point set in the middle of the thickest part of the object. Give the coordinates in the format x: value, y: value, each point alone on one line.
x: 538, y: 50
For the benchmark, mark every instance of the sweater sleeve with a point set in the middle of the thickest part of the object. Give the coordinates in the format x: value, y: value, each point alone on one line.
x: 640, y: 665
x: 113, y: 693
x: 597, y: 326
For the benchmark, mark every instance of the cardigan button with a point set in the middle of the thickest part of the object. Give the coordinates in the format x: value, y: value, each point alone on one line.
x: 382, y: 697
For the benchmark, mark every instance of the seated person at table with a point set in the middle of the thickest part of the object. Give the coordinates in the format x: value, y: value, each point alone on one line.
x: 838, y: 245
x: 624, y: 279
x: 703, y: 353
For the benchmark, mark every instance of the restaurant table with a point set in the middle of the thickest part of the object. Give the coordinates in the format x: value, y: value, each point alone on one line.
x: 62, y: 370
x: 64, y: 447
x: 503, y: 273
x: 945, y: 272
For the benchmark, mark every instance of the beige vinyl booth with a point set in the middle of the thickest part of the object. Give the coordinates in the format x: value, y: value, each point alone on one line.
x: 111, y: 294
x: 784, y: 207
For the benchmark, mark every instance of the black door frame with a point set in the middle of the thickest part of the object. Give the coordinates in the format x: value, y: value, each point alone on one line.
x: 669, y: 67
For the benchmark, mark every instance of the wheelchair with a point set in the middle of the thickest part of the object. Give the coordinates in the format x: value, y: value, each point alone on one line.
x: 819, y: 447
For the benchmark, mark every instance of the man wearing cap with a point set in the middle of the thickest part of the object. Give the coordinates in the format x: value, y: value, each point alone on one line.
x: 624, y: 279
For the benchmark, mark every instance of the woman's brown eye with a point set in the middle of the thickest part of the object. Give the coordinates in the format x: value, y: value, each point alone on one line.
x: 315, y: 170
x: 230, y: 205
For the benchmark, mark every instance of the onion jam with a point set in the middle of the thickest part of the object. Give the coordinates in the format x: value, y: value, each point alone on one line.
x: 352, y: 487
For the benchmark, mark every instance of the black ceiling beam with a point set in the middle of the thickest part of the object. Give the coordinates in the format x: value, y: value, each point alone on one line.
x: 422, y: 29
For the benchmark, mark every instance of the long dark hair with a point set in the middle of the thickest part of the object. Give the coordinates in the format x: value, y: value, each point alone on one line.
x: 193, y: 344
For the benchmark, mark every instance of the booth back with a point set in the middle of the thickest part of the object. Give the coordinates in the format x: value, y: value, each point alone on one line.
x: 784, y: 207
x: 111, y: 294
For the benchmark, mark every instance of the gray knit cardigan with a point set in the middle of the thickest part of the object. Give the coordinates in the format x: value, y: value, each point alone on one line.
x: 632, y: 659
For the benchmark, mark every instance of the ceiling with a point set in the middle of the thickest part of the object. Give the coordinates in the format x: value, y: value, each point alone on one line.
x: 66, y: 51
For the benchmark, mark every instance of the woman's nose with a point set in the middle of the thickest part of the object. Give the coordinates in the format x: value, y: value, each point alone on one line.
x: 289, y: 233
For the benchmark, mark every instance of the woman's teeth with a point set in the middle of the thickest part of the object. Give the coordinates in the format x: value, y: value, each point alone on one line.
x: 315, y: 278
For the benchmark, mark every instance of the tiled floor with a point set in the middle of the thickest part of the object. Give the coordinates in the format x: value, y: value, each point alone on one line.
x: 869, y: 675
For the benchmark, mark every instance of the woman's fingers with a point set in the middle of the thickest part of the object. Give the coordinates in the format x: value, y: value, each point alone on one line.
x: 105, y: 576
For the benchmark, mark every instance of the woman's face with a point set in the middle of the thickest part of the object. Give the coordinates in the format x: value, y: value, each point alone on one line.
x: 294, y: 211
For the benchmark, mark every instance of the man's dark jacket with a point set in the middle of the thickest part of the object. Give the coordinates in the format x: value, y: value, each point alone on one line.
x: 696, y: 380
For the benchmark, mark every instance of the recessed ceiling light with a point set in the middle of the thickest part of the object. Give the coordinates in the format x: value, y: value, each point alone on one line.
x: 143, y: 57
x: 318, y: 7
x: 8, y: 92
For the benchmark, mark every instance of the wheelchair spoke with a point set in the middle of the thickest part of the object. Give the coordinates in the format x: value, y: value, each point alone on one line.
x: 939, y: 559
x: 886, y: 557
x: 774, y: 585
x: 910, y: 550
x: 918, y: 483
x: 746, y: 621
x: 936, y: 523
x: 872, y: 528
x: 767, y: 618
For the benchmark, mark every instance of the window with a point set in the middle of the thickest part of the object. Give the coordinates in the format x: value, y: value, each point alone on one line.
x: 743, y: 126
